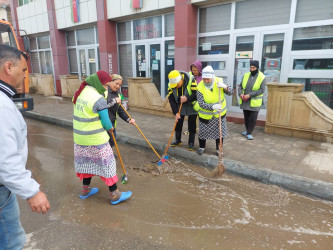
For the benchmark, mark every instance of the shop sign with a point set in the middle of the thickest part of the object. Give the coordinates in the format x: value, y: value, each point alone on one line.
x: 147, y: 28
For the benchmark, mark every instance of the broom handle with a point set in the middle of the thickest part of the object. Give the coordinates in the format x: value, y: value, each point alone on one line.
x: 141, y: 132
x: 220, y: 126
x: 174, y: 127
x: 115, y: 143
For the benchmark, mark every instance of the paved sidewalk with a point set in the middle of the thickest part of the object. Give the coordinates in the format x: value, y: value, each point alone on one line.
x: 296, y: 164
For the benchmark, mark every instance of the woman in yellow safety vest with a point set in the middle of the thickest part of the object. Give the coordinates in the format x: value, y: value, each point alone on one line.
x: 210, y: 109
x: 251, y: 93
x: 93, y: 155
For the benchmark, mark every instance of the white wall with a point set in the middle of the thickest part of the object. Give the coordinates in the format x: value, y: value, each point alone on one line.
x: 33, y: 17
x: 3, y: 14
x: 120, y: 8
x: 87, y: 9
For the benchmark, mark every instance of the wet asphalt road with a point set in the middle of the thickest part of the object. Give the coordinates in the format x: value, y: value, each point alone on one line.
x: 182, y: 208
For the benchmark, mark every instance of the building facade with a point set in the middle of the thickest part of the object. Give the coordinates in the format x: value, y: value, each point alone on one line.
x: 292, y: 39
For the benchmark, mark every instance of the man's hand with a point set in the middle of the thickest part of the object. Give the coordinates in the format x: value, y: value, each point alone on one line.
x: 177, y: 116
x: 39, y: 203
x: 183, y: 99
x: 111, y: 130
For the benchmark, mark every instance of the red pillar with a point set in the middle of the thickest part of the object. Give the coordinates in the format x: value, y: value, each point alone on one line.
x: 58, y: 46
x: 185, y: 34
x: 107, y: 39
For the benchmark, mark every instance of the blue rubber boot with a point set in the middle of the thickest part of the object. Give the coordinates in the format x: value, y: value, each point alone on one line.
x: 92, y: 192
x: 250, y: 137
x: 244, y: 133
x: 124, y: 196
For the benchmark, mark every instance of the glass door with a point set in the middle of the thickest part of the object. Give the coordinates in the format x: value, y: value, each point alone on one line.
x: 149, y: 65
x: 87, y: 61
x: 141, y: 64
x: 243, y: 55
x: 155, y: 65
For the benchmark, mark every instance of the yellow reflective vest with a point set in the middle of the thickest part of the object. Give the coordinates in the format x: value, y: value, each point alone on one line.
x: 256, y: 101
x: 211, y: 97
x: 87, y: 126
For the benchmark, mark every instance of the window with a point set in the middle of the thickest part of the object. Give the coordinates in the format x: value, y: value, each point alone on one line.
x: 313, y: 38
x: 124, y: 31
x: 216, y: 65
x: 169, y: 25
x: 41, y: 56
x: 85, y: 36
x: 213, y: 45
x: 309, y: 10
x: 22, y: 2
x: 271, y: 60
x: 256, y: 13
x: 82, y: 49
x: 323, y: 88
x: 147, y: 28
x: 125, y: 61
x: 313, y: 64
x: 215, y: 18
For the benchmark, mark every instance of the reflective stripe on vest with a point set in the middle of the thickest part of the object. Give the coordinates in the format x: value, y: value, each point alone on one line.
x: 87, y: 126
x: 211, y: 97
x: 256, y: 101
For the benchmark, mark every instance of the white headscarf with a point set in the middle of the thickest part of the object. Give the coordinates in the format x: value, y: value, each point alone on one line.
x: 208, y: 72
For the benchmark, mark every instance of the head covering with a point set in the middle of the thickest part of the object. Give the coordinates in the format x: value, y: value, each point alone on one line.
x: 97, y: 80
x: 116, y: 77
x: 174, y: 78
x: 208, y: 72
x: 254, y: 63
x: 197, y: 64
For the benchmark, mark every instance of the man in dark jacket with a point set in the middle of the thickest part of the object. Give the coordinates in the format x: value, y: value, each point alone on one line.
x: 183, y: 89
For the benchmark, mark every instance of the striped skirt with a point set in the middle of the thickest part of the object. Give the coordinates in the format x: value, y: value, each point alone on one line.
x: 95, y: 161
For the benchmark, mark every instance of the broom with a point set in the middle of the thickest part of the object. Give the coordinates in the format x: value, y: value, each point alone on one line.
x: 124, y: 180
x: 161, y: 160
x: 165, y: 156
x: 219, y: 170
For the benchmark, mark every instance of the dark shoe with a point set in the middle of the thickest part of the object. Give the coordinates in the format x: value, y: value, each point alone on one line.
x: 200, y: 151
x: 191, y: 142
x: 178, y: 141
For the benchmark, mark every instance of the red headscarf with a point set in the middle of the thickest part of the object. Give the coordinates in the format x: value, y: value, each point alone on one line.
x: 103, y: 78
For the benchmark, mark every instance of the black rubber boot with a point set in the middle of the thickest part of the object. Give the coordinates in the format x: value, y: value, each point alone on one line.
x: 178, y: 141
x: 191, y: 139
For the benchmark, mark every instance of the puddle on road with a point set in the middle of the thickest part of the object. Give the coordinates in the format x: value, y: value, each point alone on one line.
x: 181, y: 206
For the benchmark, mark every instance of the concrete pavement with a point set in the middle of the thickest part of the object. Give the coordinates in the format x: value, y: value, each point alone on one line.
x: 296, y: 164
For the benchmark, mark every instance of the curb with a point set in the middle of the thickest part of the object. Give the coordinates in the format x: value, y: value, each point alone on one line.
x: 306, y: 186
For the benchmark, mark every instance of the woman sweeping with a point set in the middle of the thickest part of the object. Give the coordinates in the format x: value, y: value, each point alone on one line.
x: 210, y: 109
x: 93, y: 155
x: 113, y: 99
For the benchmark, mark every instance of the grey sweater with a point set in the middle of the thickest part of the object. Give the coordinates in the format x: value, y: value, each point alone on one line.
x: 248, y: 90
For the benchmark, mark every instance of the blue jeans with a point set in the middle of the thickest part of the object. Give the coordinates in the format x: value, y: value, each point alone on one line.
x: 12, y: 235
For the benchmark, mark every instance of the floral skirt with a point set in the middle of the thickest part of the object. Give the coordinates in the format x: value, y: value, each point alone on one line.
x: 95, y: 161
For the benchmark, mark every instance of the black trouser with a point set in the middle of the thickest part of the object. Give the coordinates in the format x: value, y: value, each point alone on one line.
x: 250, y: 119
x: 202, y: 143
x: 192, y: 124
x: 86, y: 182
